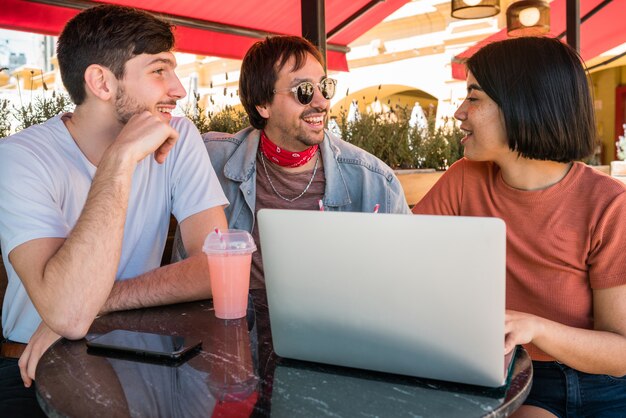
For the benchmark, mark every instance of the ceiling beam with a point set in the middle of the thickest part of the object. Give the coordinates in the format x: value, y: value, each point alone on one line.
x: 354, y: 17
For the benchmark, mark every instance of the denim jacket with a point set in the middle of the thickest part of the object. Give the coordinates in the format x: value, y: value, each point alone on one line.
x: 355, y: 180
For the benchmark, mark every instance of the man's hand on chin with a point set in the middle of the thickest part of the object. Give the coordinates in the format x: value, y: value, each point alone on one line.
x: 144, y: 134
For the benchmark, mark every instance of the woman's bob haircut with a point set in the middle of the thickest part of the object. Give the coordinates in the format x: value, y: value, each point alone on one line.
x: 541, y: 87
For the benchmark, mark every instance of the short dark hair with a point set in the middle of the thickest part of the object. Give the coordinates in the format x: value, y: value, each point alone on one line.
x: 260, y: 67
x: 107, y: 35
x: 541, y: 86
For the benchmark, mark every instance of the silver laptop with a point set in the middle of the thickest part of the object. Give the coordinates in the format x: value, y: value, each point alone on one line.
x: 410, y: 294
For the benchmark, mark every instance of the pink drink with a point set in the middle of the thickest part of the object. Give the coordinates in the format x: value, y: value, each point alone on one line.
x: 229, y: 255
x: 230, y: 280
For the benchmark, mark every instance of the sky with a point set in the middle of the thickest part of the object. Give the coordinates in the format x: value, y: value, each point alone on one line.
x: 29, y: 44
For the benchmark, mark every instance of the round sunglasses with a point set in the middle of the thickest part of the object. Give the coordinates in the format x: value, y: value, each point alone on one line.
x: 304, y: 91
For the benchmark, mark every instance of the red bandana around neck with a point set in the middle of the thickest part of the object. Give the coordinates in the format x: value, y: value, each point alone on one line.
x: 285, y: 158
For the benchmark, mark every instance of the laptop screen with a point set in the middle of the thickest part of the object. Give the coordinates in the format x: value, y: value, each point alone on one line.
x: 409, y: 294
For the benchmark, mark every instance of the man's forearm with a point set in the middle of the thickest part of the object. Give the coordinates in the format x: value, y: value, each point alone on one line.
x: 78, y: 278
x: 183, y: 281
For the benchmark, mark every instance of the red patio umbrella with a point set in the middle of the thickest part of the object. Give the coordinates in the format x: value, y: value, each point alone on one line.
x: 221, y: 28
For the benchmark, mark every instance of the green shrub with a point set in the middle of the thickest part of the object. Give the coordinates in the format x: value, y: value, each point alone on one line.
x: 441, y: 145
x: 389, y: 136
x: 385, y: 135
x: 197, y: 115
x: 42, y: 108
x: 5, y: 112
x: 39, y: 110
x: 229, y: 119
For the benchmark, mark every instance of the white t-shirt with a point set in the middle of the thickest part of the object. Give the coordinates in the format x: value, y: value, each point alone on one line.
x: 44, y: 182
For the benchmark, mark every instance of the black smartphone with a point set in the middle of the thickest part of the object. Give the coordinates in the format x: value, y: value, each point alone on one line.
x: 169, y: 347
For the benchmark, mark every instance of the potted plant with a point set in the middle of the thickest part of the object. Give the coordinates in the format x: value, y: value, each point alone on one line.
x: 418, y: 154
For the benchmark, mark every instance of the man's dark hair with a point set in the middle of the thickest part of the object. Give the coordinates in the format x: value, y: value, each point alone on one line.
x: 260, y: 67
x: 541, y: 87
x: 109, y: 36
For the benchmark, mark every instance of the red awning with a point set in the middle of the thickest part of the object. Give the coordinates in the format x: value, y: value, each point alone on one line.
x: 598, y: 34
x: 272, y: 16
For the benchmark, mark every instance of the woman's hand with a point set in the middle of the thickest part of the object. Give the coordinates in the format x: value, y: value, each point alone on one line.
x: 520, y: 328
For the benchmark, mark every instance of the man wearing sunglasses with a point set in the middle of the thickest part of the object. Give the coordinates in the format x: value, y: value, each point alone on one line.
x: 287, y: 159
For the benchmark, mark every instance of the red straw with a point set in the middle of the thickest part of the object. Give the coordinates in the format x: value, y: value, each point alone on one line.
x: 220, y: 236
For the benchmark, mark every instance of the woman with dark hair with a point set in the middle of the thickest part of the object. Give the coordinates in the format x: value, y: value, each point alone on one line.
x: 528, y: 117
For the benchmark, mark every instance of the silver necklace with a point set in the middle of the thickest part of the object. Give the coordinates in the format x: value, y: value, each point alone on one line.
x: 317, y: 159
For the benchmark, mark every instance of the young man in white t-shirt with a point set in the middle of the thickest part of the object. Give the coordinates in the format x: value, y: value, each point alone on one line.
x: 87, y: 196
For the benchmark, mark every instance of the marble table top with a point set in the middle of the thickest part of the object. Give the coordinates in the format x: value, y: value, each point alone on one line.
x: 237, y: 374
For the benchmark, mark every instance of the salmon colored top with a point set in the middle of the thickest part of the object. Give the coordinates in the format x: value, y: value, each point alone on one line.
x: 562, y: 241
